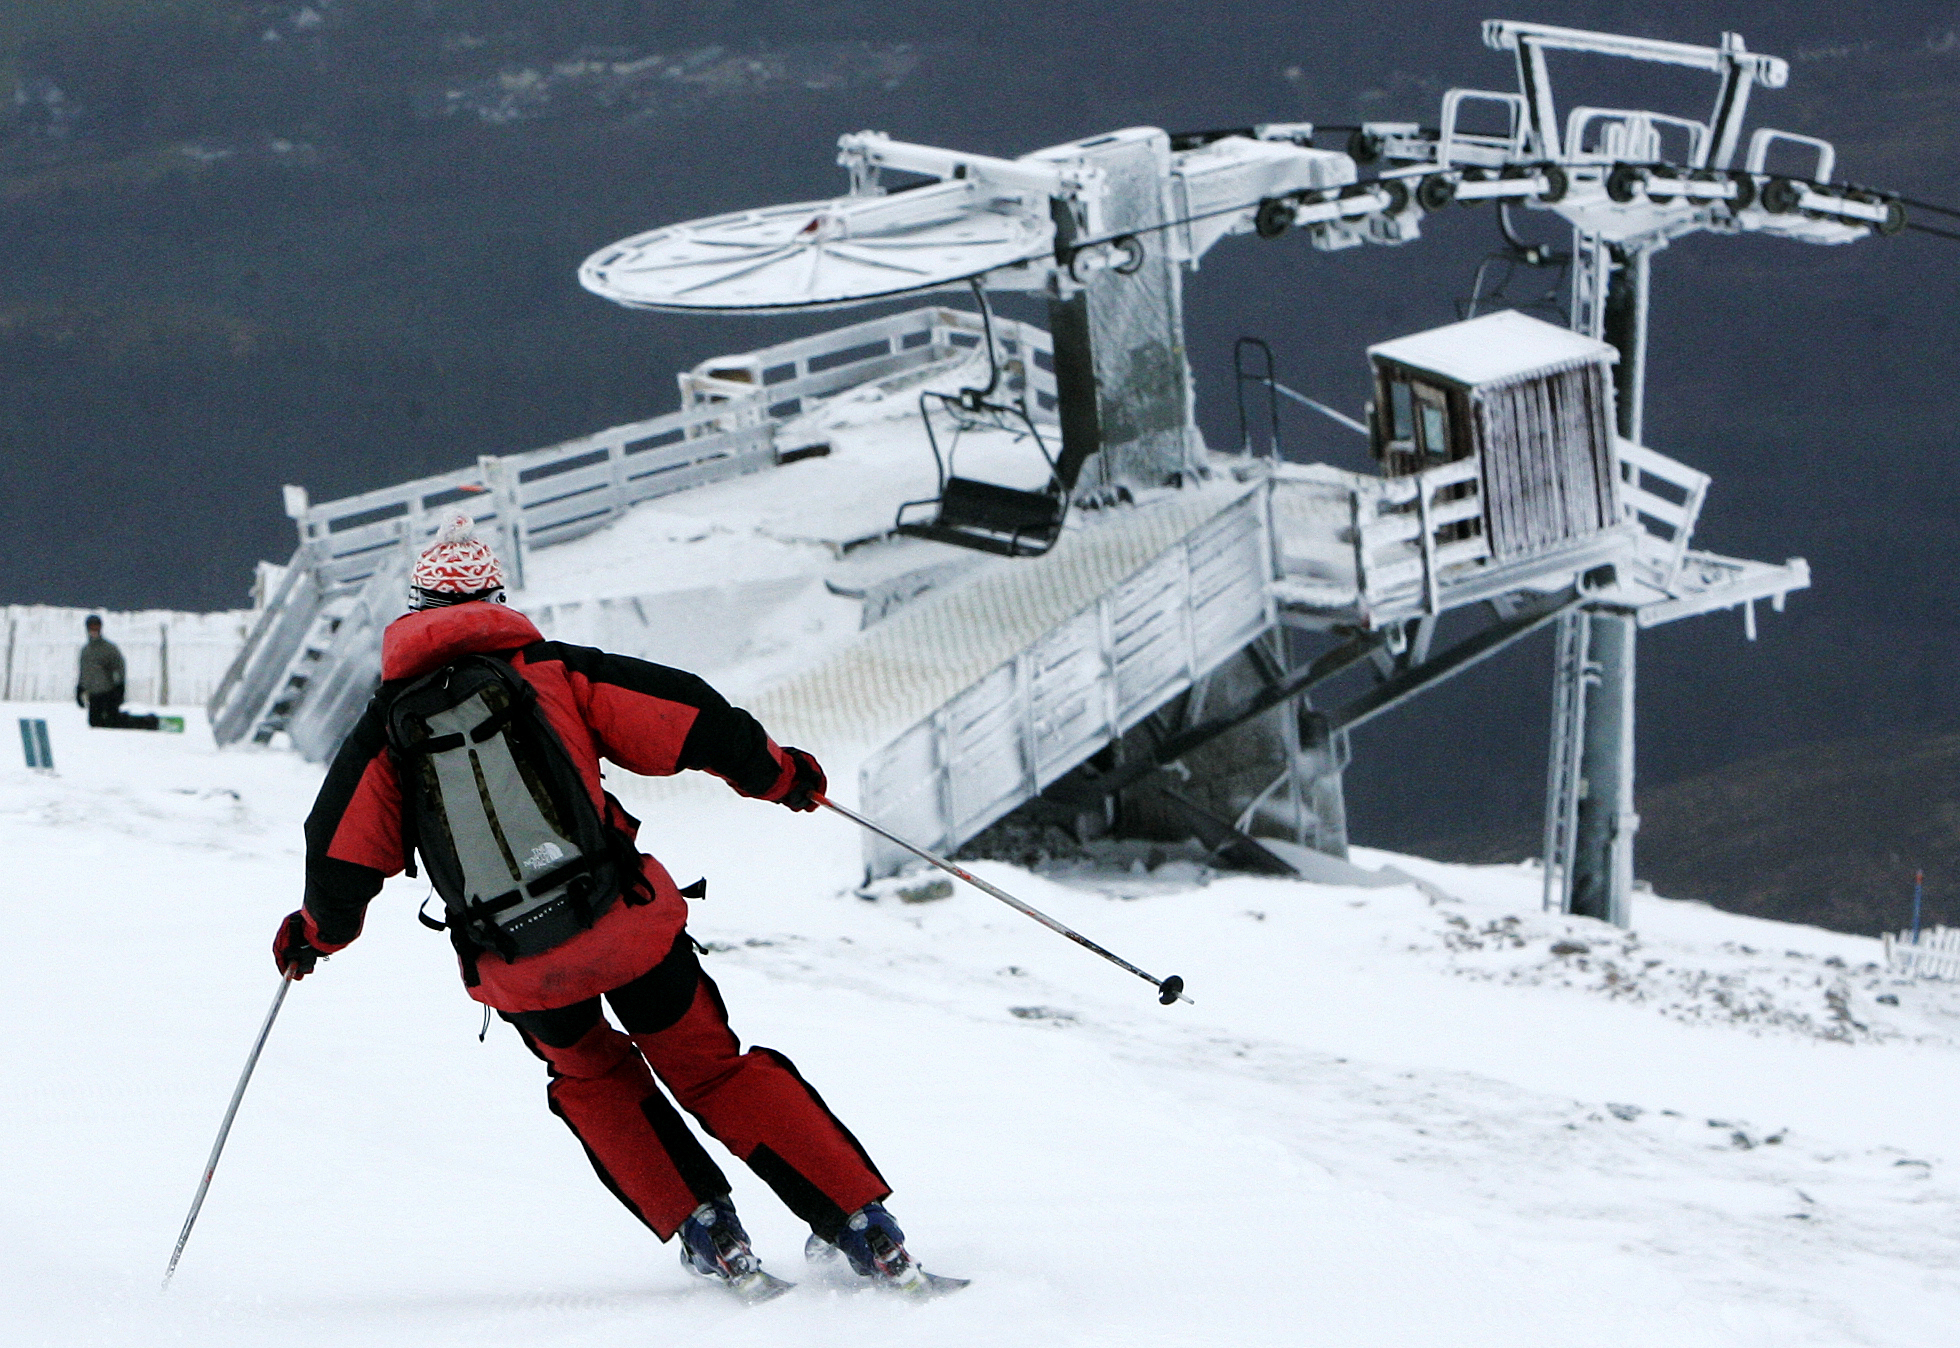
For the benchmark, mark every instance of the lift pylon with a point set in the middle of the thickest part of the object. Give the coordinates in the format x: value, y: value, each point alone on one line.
x: 1628, y: 181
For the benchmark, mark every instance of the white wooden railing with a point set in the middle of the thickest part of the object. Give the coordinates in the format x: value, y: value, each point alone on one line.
x: 726, y: 429
x: 1405, y: 533
x: 1420, y: 543
x: 1935, y: 955
x: 171, y: 658
x: 1664, y: 497
x: 732, y: 409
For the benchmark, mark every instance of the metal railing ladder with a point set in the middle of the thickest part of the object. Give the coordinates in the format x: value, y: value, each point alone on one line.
x: 1570, y: 676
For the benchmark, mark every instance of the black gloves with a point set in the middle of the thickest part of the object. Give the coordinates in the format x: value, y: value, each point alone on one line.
x: 293, y: 949
x: 806, y: 783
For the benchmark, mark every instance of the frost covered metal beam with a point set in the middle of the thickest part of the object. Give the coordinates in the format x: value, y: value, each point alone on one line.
x: 1603, y: 819
x: 1708, y: 583
x: 1511, y: 35
x: 1089, y: 787
x: 876, y: 150
x: 1405, y: 684
x: 1738, y: 67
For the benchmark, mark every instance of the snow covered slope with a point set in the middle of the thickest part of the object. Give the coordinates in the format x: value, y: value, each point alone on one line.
x: 1395, y: 1116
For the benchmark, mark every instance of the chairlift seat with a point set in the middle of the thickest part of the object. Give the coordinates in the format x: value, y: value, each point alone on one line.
x: 993, y: 518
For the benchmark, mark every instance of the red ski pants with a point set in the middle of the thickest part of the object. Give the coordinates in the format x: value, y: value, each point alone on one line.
x: 755, y: 1103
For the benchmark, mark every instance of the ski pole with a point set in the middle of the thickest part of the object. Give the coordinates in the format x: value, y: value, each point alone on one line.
x: 1168, y: 989
x: 217, y: 1148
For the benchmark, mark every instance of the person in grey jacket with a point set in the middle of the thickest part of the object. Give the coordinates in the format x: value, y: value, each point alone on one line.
x: 99, y: 683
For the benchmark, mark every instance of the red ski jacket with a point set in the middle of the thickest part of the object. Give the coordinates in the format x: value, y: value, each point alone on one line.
x: 645, y: 717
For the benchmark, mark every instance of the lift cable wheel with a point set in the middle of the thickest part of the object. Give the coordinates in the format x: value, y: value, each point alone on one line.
x: 968, y: 512
x: 816, y: 254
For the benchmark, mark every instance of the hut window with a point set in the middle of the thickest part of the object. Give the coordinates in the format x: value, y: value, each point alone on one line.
x: 1402, y: 417
x: 1416, y: 430
x: 1434, y: 441
x: 1432, y: 424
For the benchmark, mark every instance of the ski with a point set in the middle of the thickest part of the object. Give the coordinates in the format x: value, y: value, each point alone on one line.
x: 756, y: 1286
x: 929, y: 1285
x: 911, y: 1281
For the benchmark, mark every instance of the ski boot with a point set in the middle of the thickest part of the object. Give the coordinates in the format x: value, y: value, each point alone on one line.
x: 714, y: 1246
x: 871, y: 1241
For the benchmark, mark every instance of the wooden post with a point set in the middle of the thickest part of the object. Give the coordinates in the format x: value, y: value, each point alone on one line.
x: 501, y: 477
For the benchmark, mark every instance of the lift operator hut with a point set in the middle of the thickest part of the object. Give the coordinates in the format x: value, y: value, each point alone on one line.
x: 1531, y: 402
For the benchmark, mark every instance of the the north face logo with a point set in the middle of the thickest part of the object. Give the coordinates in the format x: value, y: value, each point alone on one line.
x: 543, y: 855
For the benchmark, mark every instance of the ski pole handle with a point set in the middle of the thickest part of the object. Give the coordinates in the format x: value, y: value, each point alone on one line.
x: 218, y: 1148
x: 1169, y: 989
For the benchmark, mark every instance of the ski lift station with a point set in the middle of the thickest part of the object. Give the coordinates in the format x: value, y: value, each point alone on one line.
x: 986, y: 568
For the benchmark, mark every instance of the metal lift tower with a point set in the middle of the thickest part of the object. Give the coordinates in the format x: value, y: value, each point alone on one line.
x: 1629, y: 182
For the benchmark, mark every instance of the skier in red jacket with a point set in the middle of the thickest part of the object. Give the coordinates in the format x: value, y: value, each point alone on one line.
x: 637, y: 955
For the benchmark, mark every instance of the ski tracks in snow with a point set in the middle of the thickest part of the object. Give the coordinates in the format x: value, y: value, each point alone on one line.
x: 1368, y: 1130
x: 1754, y: 1212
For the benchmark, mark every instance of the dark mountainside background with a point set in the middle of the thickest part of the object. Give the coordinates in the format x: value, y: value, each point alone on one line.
x: 334, y: 243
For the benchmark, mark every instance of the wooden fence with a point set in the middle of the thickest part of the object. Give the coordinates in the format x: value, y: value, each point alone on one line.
x: 727, y: 429
x: 1936, y: 955
x: 172, y: 659
x: 733, y: 408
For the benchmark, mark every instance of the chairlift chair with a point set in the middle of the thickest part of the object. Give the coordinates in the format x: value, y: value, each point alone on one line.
x: 971, y: 513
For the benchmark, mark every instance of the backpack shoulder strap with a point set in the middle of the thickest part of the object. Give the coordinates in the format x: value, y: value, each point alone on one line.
x: 382, y: 707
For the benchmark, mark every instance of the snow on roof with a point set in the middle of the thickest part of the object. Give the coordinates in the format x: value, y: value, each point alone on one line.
x: 1501, y: 346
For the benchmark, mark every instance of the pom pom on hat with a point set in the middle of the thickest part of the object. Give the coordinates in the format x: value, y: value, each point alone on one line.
x: 458, y: 528
x: 458, y: 565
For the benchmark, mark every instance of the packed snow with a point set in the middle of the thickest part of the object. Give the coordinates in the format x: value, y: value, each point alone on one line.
x: 1410, y: 1114
x: 753, y: 579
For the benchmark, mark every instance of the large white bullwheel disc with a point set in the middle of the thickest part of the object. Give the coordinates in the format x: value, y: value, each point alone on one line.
x: 816, y: 254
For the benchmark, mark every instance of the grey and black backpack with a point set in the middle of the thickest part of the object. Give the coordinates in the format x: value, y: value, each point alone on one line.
x: 514, y: 846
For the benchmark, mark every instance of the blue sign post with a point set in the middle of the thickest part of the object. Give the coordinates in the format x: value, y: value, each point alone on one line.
x: 1918, y: 893
x: 34, y: 744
